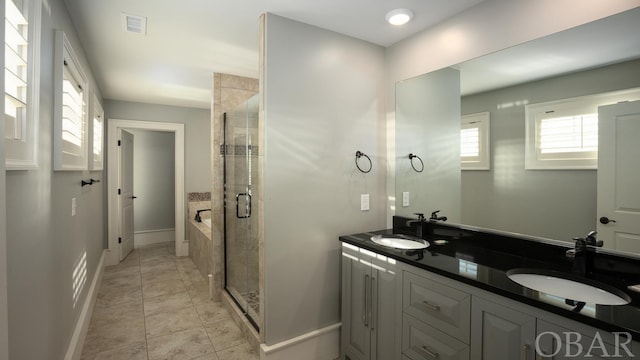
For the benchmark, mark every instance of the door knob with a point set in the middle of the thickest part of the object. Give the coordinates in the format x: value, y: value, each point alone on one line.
x: 605, y: 220
x: 134, y: 197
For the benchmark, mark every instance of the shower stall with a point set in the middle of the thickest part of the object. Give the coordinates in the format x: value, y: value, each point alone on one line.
x: 240, y: 153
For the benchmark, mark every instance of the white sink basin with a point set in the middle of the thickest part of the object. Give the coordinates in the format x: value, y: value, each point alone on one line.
x: 569, y: 286
x: 400, y: 242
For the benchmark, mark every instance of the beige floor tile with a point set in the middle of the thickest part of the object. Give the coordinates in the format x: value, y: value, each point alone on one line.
x: 155, y: 266
x: 132, y: 259
x: 225, y: 334
x: 118, y: 295
x: 212, y: 356
x: 113, y: 314
x: 172, y: 322
x: 109, y: 337
x: 113, y: 272
x: 161, y: 275
x: 188, y: 344
x: 167, y: 303
x: 157, y: 288
x: 211, y: 313
x: 199, y: 293
x: 240, y: 352
x: 134, y: 352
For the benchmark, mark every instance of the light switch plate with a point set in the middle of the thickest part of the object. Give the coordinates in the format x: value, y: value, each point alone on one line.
x: 405, y: 198
x: 364, y: 202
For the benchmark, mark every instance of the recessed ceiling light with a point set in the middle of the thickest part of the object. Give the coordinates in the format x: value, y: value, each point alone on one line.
x: 399, y: 16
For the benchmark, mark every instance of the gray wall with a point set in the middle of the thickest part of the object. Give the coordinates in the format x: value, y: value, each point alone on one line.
x: 323, y: 101
x: 558, y: 204
x: 153, y: 180
x: 44, y: 242
x: 197, y: 135
x: 4, y: 321
x: 427, y: 125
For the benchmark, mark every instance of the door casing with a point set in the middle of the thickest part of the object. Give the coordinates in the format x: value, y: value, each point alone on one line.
x: 113, y: 217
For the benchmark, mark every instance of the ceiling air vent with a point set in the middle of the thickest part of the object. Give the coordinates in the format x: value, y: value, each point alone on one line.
x: 134, y: 24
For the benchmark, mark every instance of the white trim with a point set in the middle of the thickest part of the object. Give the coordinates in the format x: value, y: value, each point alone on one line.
x: 483, y: 160
x: 321, y: 344
x: 149, y: 237
x: 182, y: 245
x: 66, y: 58
x: 577, y: 105
x: 31, y: 145
x: 74, y: 351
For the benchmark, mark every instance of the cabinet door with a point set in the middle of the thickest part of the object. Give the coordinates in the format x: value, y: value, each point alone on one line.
x: 500, y: 333
x: 356, y: 336
x: 557, y: 342
x: 384, y: 324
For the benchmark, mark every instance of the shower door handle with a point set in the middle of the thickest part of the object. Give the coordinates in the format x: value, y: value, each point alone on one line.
x: 248, y: 207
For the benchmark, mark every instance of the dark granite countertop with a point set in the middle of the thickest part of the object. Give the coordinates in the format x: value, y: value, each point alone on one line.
x: 482, y: 260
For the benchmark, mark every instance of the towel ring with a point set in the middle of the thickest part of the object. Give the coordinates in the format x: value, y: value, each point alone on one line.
x: 411, y: 157
x: 360, y: 154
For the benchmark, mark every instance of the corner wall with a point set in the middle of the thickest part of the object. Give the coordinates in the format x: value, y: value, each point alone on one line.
x: 323, y: 100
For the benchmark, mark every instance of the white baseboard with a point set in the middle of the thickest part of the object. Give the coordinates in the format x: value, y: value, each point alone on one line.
x: 149, y: 237
x: 74, y: 351
x: 321, y: 344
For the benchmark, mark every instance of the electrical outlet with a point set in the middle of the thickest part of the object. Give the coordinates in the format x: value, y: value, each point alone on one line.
x: 364, y: 202
x: 73, y: 206
x: 405, y: 198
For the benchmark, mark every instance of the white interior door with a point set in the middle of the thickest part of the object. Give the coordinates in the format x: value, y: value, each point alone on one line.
x: 619, y: 176
x: 126, y: 193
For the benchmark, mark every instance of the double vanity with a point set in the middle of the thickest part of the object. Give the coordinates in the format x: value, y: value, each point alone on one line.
x: 458, y: 292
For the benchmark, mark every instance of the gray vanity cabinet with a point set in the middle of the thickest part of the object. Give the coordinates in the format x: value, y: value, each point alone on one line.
x: 369, y: 296
x: 501, y: 333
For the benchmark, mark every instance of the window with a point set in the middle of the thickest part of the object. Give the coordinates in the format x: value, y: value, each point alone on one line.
x: 70, y: 125
x: 564, y: 134
x: 97, y: 135
x: 21, y: 69
x: 474, y: 142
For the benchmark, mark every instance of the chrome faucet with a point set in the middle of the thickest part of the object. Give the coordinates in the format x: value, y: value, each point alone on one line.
x: 583, y: 253
x: 420, y: 221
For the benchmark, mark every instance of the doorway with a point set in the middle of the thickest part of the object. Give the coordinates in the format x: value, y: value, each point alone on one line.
x: 114, y: 126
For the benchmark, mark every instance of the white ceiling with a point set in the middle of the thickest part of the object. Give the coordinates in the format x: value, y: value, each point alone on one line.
x: 187, y: 41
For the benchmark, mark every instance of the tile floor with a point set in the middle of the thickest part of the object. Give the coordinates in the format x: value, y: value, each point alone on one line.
x: 154, y: 305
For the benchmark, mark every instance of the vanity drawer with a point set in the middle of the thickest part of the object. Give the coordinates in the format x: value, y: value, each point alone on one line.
x: 422, y: 342
x: 443, y: 307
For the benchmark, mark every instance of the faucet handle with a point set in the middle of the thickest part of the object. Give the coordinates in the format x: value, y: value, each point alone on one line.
x: 420, y: 216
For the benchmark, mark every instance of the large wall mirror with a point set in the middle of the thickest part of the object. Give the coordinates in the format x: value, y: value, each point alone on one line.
x: 599, y: 57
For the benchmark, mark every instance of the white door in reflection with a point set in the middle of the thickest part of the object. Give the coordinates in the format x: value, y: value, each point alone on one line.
x: 619, y: 176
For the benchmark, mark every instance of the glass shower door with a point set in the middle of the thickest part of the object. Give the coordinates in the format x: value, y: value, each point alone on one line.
x: 241, y: 221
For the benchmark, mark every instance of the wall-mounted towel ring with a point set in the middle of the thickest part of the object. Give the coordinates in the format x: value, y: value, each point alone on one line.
x: 413, y: 156
x: 360, y: 154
